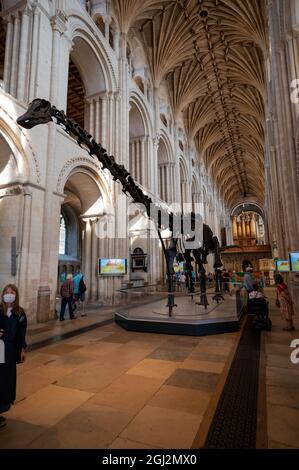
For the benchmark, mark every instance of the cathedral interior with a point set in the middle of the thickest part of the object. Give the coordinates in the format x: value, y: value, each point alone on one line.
x: 198, y: 100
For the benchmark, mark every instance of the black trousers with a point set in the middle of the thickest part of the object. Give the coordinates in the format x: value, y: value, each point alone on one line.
x: 64, y: 302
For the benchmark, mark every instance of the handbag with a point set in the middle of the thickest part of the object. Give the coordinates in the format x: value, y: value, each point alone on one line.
x: 277, y: 303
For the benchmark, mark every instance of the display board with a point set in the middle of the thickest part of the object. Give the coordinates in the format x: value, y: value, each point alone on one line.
x: 112, y: 267
x: 294, y: 262
x: 283, y: 265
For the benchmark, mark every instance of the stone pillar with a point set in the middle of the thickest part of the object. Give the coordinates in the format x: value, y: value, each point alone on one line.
x: 143, y: 163
x: 15, y: 54
x: 22, y: 280
x: 33, y: 66
x: 23, y: 56
x: 104, y: 120
x: 137, y: 161
x: 91, y: 117
x: 111, y: 126
x: 116, y: 43
x: 8, y: 54
x: 97, y: 121
x: 87, y: 254
x: 94, y: 261
x: 44, y: 292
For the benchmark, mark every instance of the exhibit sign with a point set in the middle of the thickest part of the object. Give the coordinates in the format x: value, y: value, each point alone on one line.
x: 294, y: 262
x: 283, y: 265
x: 267, y: 265
x: 112, y: 266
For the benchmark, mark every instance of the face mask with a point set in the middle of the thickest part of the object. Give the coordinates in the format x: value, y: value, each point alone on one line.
x: 9, y: 298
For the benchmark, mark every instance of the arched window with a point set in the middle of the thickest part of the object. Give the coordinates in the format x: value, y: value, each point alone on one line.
x: 62, y: 236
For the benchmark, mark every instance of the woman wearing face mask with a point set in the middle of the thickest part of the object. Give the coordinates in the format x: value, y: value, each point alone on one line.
x: 13, y: 325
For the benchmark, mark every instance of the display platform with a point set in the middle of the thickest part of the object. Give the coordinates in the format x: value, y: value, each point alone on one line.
x: 188, y: 318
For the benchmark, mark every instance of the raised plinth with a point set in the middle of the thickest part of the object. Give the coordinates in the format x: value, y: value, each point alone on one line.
x: 188, y: 319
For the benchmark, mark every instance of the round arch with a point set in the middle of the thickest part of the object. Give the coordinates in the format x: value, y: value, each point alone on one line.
x: 183, y: 181
x: 26, y: 161
x: 138, y: 101
x: 168, y: 146
x: 248, y: 206
x: 84, y: 164
x: 80, y: 30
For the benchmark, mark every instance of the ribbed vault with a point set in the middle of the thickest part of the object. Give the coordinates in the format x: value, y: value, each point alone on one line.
x: 211, y: 54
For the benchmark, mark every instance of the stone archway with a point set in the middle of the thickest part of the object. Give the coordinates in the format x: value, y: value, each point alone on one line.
x: 88, y: 98
x: 79, y: 244
x: 248, y: 225
x: 11, y: 195
x: 138, y: 155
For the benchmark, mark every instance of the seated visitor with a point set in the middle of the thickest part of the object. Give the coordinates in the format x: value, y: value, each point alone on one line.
x: 256, y: 293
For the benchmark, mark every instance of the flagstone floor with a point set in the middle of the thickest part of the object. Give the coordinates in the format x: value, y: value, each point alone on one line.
x: 282, y: 382
x: 118, y: 389
x: 110, y: 388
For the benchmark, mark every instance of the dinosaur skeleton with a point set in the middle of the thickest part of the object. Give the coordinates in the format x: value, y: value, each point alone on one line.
x: 40, y: 111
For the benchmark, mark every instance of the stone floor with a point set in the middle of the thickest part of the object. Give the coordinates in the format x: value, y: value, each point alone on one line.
x: 118, y: 389
x: 282, y: 383
x: 110, y: 388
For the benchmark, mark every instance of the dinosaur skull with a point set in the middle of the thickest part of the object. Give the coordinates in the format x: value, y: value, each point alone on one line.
x: 38, y: 113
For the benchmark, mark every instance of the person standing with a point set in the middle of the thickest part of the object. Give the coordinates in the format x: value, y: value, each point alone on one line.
x: 285, y: 303
x: 262, y: 280
x: 248, y: 281
x: 13, y: 326
x: 210, y: 278
x: 183, y: 281
x: 66, y: 292
x: 79, y: 291
x: 226, y: 280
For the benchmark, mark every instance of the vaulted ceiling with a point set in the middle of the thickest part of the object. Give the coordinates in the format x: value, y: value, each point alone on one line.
x: 211, y: 54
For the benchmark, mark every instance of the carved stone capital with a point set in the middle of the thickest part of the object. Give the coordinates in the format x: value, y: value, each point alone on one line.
x: 59, y: 22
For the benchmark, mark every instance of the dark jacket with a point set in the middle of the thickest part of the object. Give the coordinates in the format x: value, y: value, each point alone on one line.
x: 14, y: 339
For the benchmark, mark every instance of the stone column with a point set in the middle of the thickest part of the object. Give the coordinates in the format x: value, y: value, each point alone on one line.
x: 169, y: 183
x: 22, y: 280
x: 44, y: 292
x: 143, y: 163
x: 116, y: 43
x: 111, y: 126
x: 94, y: 261
x: 97, y: 121
x: 23, y: 56
x: 87, y: 254
x: 138, y: 179
x: 8, y: 54
x: 91, y: 116
x: 15, y: 54
x: 132, y: 158
x: 104, y: 120
x: 34, y: 49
